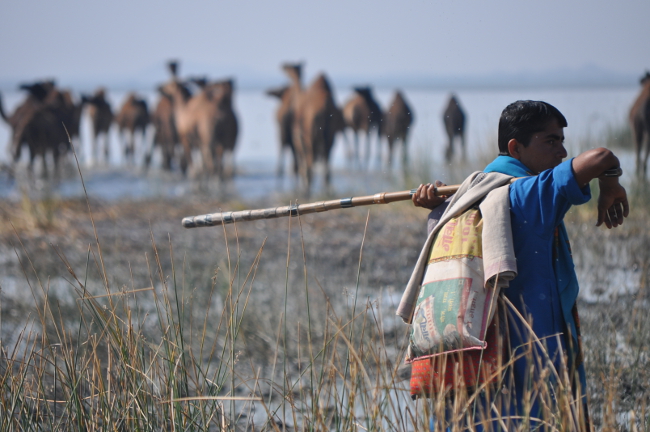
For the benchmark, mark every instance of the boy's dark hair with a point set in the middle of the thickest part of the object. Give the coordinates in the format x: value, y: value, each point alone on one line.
x: 521, y: 119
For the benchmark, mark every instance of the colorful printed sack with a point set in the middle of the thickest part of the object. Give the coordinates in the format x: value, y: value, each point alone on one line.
x: 460, y: 369
x: 454, y: 308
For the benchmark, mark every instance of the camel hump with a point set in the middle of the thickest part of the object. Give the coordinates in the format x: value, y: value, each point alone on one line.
x: 201, y: 81
x: 364, y: 92
x: 321, y: 82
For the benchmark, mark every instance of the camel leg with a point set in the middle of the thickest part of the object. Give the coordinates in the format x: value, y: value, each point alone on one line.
x: 218, y: 161
x: 379, y: 150
x: 462, y: 145
x: 231, y: 164
x: 357, y: 154
x: 186, y: 158
x: 296, y: 168
x: 405, y: 153
x: 638, y: 146
x: 128, y: 150
x: 449, y: 153
x: 106, y: 145
x: 92, y: 154
x: 308, y: 167
x: 56, y: 156
x: 645, y: 142
x: 30, y: 165
x: 45, y: 173
x: 148, y: 154
x: 349, y: 148
x: 168, y: 155
x: 367, y: 155
x: 279, y: 172
x: 208, y: 159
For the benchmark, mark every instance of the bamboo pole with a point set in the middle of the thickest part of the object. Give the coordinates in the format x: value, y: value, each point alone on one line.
x: 222, y: 218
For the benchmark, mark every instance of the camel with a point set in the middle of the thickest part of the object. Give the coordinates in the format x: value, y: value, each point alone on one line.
x: 288, y: 96
x: 39, y: 127
x: 165, y: 134
x: 640, y: 121
x: 362, y: 113
x: 162, y: 118
x: 43, y: 122
x: 69, y: 112
x: 36, y: 94
x: 226, y: 125
x: 101, y: 117
x: 397, y: 122
x: 133, y: 117
x: 454, y: 120
x: 205, y: 121
x: 316, y: 122
x: 284, y: 117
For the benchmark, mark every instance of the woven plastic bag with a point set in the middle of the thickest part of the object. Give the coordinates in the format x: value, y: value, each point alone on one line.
x: 454, y: 308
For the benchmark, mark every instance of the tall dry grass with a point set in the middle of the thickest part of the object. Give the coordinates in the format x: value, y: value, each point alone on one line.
x: 168, y: 356
x: 227, y: 347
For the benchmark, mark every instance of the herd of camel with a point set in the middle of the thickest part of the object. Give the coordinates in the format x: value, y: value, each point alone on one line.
x: 197, y: 114
x: 47, y: 123
x: 308, y: 120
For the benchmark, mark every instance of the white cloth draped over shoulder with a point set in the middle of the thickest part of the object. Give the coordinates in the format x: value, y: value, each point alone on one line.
x: 499, y: 261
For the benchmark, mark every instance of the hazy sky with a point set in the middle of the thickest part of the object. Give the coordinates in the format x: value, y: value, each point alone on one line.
x: 73, y: 39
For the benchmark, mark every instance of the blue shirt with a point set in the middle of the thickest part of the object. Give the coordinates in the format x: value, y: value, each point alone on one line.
x: 546, y: 288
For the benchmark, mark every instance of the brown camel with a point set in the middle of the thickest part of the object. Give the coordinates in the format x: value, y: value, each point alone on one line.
x: 316, y: 122
x: 133, y: 117
x: 397, y: 122
x: 285, y: 113
x: 166, y: 136
x: 284, y: 117
x: 101, y: 117
x: 226, y: 126
x: 204, y: 121
x: 454, y: 120
x: 37, y: 92
x: 40, y: 129
x: 362, y: 113
x: 41, y: 121
x: 69, y: 112
x: 60, y: 101
x: 640, y: 121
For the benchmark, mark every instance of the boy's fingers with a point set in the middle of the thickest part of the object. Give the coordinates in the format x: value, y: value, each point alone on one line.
x: 613, y: 216
x: 601, y: 217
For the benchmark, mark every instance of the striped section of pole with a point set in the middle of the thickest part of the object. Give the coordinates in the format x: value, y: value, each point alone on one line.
x: 221, y: 218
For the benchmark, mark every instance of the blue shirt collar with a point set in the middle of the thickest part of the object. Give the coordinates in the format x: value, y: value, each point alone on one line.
x: 508, y: 165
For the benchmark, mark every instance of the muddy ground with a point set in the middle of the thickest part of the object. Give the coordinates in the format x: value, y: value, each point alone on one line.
x: 141, y: 244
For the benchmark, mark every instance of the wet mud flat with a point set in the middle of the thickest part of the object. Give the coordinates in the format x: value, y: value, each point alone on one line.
x: 307, y: 269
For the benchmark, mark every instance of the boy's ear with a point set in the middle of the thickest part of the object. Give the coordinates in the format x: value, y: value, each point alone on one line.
x: 513, y: 148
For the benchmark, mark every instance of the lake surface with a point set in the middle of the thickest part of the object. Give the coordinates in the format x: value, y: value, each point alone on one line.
x: 589, y: 112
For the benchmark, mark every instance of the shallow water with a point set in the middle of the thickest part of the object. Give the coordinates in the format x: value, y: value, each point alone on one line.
x: 589, y: 113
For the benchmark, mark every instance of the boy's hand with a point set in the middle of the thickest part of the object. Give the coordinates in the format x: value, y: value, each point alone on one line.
x: 425, y: 196
x: 612, y: 202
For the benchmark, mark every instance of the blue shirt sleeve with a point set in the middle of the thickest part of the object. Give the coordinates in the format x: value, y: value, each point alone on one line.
x: 542, y: 201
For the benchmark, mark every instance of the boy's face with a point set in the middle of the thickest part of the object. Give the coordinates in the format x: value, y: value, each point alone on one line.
x: 546, y: 149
